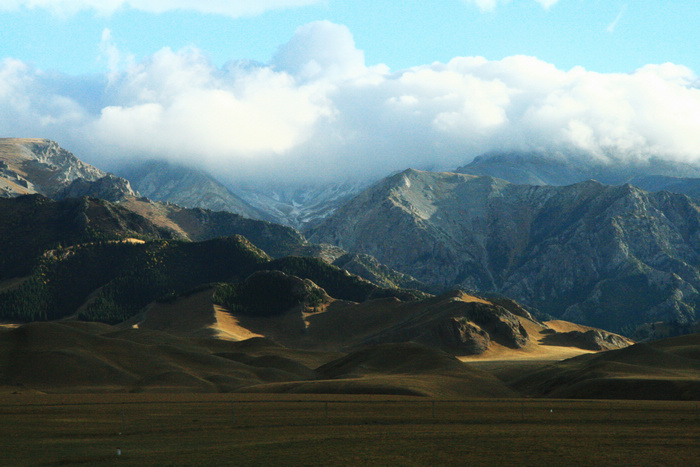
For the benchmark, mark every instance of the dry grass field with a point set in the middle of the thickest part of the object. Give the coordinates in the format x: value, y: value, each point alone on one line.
x: 192, y: 429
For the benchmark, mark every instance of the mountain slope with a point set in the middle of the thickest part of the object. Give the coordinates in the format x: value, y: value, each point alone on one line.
x: 276, y: 239
x: 667, y: 369
x: 300, y: 206
x: 187, y: 187
x: 30, y: 225
x: 606, y: 256
x: 566, y: 169
x: 684, y: 186
x: 199, y: 224
x: 29, y: 166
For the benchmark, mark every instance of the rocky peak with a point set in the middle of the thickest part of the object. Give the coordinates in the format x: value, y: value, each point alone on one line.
x: 110, y: 187
x: 607, y: 256
x: 42, y: 166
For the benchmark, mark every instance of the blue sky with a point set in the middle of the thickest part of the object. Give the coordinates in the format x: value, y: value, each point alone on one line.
x: 351, y: 87
x: 400, y: 34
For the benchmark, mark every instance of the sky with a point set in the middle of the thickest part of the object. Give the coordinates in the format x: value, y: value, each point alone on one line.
x: 294, y: 90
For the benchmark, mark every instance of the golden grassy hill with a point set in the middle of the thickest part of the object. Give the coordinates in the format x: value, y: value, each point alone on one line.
x: 77, y: 357
x: 456, y: 322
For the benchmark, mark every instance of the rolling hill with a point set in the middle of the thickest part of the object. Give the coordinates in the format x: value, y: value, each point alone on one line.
x: 667, y: 369
x: 74, y: 357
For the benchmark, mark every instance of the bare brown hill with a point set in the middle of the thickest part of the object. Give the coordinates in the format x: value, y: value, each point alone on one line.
x: 668, y: 369
x: 74, y: 357
x: 77, y: 357
x: 399, y: 369
x: 456, y: 322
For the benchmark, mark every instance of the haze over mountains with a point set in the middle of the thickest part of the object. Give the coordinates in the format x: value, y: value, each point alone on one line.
x: 190, y: 188
x: 533, y: 168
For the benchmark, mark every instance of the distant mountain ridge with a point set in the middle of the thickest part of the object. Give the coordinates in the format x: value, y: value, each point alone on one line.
x: 294, y: 206
x: 685, y: 186
x: 600, y: 255
x: 586, y: 252
x: 33, y: 226
x: 187, y: 187
x: 532, y: 168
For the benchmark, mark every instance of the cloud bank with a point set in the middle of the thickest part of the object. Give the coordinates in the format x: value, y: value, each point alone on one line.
x: 232, y: 8
x: 318, y: 112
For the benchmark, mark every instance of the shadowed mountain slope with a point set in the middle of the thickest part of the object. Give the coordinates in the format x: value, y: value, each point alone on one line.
x: 31, y: 225
x: 606, y: 256
x: 667, y: 369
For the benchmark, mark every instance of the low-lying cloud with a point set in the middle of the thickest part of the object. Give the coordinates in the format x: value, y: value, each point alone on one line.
x: 317, y: 111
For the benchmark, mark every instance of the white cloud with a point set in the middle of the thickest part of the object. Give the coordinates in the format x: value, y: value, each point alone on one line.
x: 180, y: 105
x: 490, y: 5
x: 233, y: 8
x: 321, y: 49
x: 547, y: 3
x: 613, y: 25
x: 318, y: 111
x: 31, y: 108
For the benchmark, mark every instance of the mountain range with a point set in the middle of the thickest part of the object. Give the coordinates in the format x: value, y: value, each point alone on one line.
x: 379, y: 294
x: 612, y: 256
x: 608, y: 256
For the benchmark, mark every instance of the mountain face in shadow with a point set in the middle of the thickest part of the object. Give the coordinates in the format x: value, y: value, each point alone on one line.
x: 607, y: 256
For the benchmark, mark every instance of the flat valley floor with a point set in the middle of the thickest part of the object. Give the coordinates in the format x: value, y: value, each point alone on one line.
x: 252, y: 429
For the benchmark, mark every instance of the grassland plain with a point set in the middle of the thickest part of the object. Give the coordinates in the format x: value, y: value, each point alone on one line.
x: 235, y: 429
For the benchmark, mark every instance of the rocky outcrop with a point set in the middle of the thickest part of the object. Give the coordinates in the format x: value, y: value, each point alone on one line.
x: 461, y: 335
x: 369, y: 268
x: 41, y: 166
x: 109, y: 187
x: 607, y: 256
x: 593, y: 339
x: 458, y: 324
